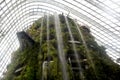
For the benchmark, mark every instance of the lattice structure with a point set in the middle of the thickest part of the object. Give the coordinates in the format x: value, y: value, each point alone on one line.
x: 102, y: 16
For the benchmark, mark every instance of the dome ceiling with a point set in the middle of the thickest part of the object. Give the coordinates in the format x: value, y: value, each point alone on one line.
x: 101, y: 16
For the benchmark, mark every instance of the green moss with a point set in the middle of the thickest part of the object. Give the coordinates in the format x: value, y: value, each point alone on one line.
x: 32, y: 58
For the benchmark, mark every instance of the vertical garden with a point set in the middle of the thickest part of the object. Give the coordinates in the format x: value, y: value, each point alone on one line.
x: 58, y: 48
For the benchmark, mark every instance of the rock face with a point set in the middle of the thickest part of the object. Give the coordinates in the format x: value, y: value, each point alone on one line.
x: 25, y: 40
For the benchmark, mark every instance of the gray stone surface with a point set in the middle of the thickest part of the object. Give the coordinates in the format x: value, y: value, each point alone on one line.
x: 25, y: 40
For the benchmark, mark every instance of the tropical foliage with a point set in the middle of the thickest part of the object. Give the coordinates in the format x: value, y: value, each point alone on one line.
x: 95, y: 63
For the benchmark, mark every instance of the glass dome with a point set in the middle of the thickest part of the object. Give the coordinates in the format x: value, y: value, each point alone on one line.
x: 100, y: 16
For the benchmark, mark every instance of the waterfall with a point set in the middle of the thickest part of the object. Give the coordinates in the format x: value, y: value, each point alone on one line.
x: 61, y: 53
x: 41, y: 28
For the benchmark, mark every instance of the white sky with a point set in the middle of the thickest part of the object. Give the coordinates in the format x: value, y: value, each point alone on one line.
x: 102, y: 20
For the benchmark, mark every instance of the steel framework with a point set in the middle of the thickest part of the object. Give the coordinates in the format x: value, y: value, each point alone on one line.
x: 102, y: 16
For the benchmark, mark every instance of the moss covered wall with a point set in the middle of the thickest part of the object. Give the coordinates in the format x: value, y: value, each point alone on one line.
x: 32, y: 59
